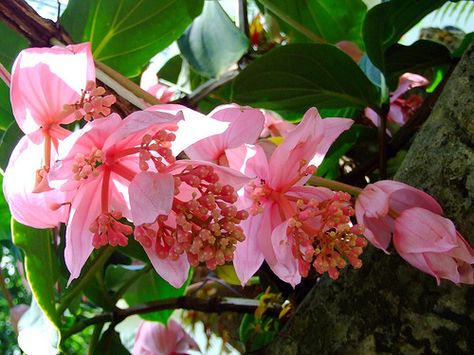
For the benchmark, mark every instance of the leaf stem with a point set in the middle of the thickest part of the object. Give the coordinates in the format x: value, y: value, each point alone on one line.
x: 295, y: 24
x: 334, y: 185
x: 82, y: 281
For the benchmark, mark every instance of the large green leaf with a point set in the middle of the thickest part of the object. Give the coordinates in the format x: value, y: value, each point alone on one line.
x: 331, y: 20
x: 212, y: 43
x: 41, y: 265
x: 8, y: 141
x: 6, y: 115
x: 420, y: 55
x: 126, y: 34
x: 148, y: 287
x: 385, y: 24
x: 5, y: 230
x: 10, y: 45
x: 298, y: 76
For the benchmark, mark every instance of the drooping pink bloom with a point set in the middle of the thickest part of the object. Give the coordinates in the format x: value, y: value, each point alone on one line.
x: 286, y: 218
x: 150, y: 82
x: 421, y: 235
x: 43, y: 82
x: 119, y: 168
x: 401, y: 110
x: 155, y: 339
x: 275, y: 125
x: 378, y: 204
x: 431, y: 243
x: 245, y: 125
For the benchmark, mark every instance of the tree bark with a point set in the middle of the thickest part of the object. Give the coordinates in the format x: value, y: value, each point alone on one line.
x: 389, y: 307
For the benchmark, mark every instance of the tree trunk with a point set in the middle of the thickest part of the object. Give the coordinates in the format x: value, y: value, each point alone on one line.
x: 389, y: 307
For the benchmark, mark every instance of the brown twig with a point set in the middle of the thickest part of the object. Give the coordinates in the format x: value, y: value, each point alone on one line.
x: 5, y: 291
x: 211, y: 305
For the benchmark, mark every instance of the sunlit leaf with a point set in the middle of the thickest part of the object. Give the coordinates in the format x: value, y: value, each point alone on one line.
x: 385, y: 24
x: 331, y: 20
x: 41, y: 265
x: 212, y: 43
x: 126, y: 34
x: 299, y: 76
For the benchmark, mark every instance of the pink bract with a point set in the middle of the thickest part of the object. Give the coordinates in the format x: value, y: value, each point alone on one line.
x: 154, y: 338
x: 431, y: 243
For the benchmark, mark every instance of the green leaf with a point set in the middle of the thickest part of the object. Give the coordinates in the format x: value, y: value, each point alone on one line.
x: 331, y: 20
x: 212, y: 43
x: 329, y: 168
x: 466, y: 42
x: 420, y: 55
x: 170, y: 71
x: 96, y: 291
x: 6, y: 115
x: 256, y: 334
x: 126, y: 34
x: 36, y: 333
x: 110, y: 344
x: 385, y: 24
x: 299, y: 76
x: 5, y: 230
x: 148, y: 287
x: 41, y: 265
x: 12, y: 43
x: 8, y: 141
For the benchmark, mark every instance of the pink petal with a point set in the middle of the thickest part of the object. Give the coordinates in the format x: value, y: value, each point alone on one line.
x: 408, y: 81
x: 328, y: 131
x: 85, y: 208
x: 372, y: 202
x: 420, y: 262
x: 403, y: 196
x: 378, y: 231
x: 275, y: 125
x: 173, y: 271
x: 245, y: 125
x: 151, y: 194
x: 184, y: 341
x: 249, y: 160
x: 419, y: 230
x: 396, y: 114
x: 137, y: 124
x: 372, y: 116
x: 270, y: 219
x: 93, y: 134
x: 193, y: 128
x: 38, y: 210
x: 45, y: 79
x: 226, y: 175
x: 247, y: 257
x: 443, y: 266
x: 286, y: 266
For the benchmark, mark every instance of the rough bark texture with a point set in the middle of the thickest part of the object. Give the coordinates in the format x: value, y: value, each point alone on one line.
x: 388, y: 307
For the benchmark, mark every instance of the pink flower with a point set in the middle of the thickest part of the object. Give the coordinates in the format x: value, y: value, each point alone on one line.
x: 275, y: 125
x: 378, y: 204
x: 274, y: 229
x: 401, y: 110
x: 431, y: 243
x: 124, y: 168
x: 154, y: 338
x: 150, y: 82
x: 421, y: 235
x: 245, y: 125
x: 43, y: 82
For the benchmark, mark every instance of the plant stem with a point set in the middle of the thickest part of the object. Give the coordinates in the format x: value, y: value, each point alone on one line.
x: 5, y: 290
x: 211, y: 305
x: 95, y: 337
x: 296, y: 25
x: 82, y: 281
x: 334, y: 185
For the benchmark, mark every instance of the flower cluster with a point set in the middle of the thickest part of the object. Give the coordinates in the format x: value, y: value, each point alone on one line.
x: 237, y: 198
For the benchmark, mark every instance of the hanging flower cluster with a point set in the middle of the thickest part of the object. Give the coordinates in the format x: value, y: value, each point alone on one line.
x: 238, y: 198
